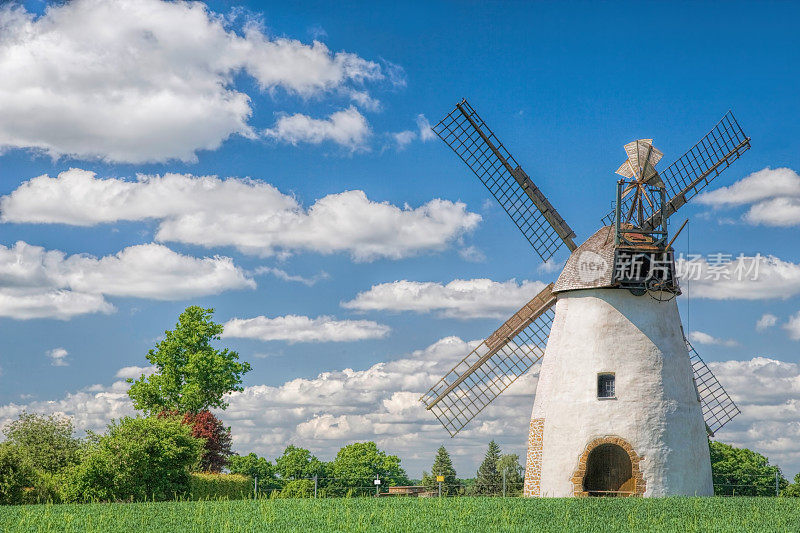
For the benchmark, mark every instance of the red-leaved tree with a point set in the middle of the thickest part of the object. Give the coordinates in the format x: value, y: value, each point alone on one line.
x: 217, y: 438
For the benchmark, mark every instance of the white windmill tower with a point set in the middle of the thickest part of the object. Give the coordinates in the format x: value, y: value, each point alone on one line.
x: 623, y: 402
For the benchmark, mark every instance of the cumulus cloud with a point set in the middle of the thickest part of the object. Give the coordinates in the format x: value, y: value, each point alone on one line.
x: 461, y: 298
x: 701, y: 337
x: 793, y: 327
x: 58, y: 357
x: 766, y: 321
x: 134, y: 372
x: 744, y: 278
x: 294, y: 328
x: 39, y: 283
x: 766, y: 391
x: 381, y: 403
x: 251, y: 215
x: 160, y: 86
x: 346, y: 128
x: 772, y: 194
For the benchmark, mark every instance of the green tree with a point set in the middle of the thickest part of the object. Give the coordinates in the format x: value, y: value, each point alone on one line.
x: 739, y: 471
x: 45, y: 443
x: 251, y: 465
x: 357, y: 464
x: 793, y: 490
x: 137, y: 459
x: 442, y: 466
x: 191, y: 375
x: 515, y: 473
x: 489, y: 481
x: 15, y: 474
x: 298, y: 463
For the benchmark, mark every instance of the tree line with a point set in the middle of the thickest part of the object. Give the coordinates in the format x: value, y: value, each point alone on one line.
x: 153, y: 456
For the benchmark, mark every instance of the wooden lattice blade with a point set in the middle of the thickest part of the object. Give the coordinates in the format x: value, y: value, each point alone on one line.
x: 494, y: 365
x: 472, y: 140
x: 718, y: 407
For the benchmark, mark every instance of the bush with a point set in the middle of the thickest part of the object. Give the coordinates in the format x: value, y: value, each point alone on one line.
x: 298, y: 488
x: 137, y: 459
x: 44, y: 442
x: 14, y: 474
x: 220, y: 487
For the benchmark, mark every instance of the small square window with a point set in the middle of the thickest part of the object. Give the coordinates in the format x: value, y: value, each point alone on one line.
x: 605, y: 386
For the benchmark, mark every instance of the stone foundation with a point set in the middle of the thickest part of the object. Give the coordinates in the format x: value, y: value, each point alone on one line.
x: 533, y: 464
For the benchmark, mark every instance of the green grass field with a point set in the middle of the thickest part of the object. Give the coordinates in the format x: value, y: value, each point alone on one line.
x: 410, y: 514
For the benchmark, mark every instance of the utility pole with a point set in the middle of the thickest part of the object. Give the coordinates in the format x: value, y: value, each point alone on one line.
x: 777, y: 485
x: 255, y: 486
x: 315, y: 486
x: 504, y: 482
x: 377, y: 485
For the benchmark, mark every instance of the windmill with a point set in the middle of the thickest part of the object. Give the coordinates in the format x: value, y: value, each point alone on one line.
x: 624, y: 403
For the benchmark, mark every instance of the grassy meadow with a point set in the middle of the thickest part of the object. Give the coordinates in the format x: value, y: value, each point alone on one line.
x: 411, y: 514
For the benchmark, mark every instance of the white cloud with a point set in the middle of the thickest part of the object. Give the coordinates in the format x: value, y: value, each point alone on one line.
x: 766, y: 321
x: 28, y: 303
x: 404, y: 138
x: 160, y: 85
x: 773, y: 195
x: 473, y: 254
x: 743, y: 278
x: 424, y: 133
x: 380, y: 403
x: 793, y: 326
x: 766, y: 391
x: 346, y: 128
x: 134, y: 372
x: 58, y: 357
x: 285, y: 276
x: 251, y: 215
x: 294, y: 328
x: 550, y: 266
x: 461, y: 298
x: 701, y: 337
x: 36, y: 283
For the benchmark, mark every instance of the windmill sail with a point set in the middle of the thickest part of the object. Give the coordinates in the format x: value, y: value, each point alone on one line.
x: 494, y: 365
x: 472, y: 140
x: 718, y: 407
x: 695, y: 169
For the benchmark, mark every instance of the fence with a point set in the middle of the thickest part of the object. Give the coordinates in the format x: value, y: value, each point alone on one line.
x: 731, y: 484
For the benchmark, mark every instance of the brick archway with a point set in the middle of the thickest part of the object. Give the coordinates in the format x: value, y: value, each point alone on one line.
x: 580, y: 472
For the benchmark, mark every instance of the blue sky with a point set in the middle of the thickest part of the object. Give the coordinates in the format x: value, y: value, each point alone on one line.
x: 563, y: 86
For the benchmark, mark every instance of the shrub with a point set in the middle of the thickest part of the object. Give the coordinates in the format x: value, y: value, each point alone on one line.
x: 220, y: 487
x: 14, y: 474
x: 298, y: 488
x: 44, y: 442
x: 137, y: 459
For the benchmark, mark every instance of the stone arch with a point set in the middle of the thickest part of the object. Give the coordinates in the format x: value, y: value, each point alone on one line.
x: 580, y: 472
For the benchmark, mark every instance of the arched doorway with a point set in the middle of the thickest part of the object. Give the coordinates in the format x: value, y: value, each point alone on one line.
x: 609, y: 472
x: 608, y: 466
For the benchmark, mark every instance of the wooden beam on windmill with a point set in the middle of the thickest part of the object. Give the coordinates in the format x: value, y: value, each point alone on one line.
x: 474, y: 142
x: 488, y: 370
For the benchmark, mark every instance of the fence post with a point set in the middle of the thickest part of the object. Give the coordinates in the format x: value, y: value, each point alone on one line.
x: 255, y: 486
x: 504, y: 482
x: 315, y: 486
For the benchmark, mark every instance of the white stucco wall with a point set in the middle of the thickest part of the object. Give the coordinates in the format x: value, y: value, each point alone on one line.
x: 656, y: 407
